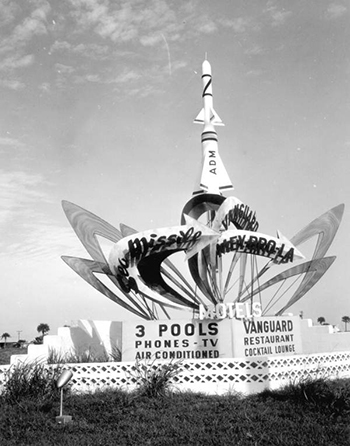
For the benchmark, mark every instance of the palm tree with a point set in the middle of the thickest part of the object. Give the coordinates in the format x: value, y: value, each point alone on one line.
x: 43, y: 329
x: 346, y: 320
x: 5, y: 336
x: 321, y: 320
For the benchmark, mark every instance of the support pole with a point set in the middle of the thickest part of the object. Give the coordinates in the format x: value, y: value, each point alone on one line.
x: 61, y: 403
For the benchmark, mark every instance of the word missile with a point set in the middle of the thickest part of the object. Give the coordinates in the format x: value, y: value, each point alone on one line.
x: 213, y: 177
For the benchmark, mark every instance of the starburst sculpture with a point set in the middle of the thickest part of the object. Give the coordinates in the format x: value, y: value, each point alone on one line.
x: 222, y: 256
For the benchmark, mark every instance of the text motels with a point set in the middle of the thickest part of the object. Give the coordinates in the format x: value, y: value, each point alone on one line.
x: 230, y: 310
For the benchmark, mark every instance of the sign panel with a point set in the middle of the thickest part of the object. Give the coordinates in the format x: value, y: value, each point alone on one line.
x: 167, y: 340
x: 177, y: 339
x: 267, y: 336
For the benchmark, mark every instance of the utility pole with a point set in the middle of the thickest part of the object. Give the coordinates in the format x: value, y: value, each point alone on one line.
x: 19, y: 332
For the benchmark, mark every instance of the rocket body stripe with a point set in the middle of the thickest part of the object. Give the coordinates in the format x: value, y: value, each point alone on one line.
x: 213, y: 177
x: 207, y: 85
x: 211, y: 137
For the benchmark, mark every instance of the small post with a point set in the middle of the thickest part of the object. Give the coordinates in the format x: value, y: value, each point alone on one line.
x: 61, y: 403
x: 64, y: 378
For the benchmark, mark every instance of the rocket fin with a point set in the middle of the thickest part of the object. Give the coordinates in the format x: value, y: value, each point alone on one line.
x: 200, y: 117
x: 214, y: 118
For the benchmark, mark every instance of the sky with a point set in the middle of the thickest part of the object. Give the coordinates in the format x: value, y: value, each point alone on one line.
x: 98, y: 99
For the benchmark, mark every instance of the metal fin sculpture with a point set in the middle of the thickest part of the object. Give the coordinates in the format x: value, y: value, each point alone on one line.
x: 147, y: 282
x: 136, y: 259
x: 138, y: 262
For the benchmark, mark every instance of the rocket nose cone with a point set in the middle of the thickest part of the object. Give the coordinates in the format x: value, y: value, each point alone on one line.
x: 206, y: 68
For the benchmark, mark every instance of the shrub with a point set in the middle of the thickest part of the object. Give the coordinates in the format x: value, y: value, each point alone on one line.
x: 38, y: 340
x: 75, y: 357
x: 116, y: 354
x: 321, y: 394
x: 154, y: 380
x: 31, y: 381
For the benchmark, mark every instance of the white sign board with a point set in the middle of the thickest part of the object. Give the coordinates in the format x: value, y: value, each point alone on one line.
x: 167, y: 340
x: 177, y: 339
x: 267, y: 336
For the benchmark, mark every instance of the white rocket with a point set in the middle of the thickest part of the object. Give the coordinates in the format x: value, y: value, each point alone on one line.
x: 213, y: 177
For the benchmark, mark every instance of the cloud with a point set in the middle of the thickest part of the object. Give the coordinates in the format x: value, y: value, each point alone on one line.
x: 64, y: 69
x: 7, y: 143
x: 45, y: 87
x: 127, y: 76
x: 19, y: 35
x: 10, y: 66
x: 89, y: 50
x: 88, y: 12
x: 130, y: 21
x: 278, y: 15
x: 30, y: 26
x: 116, y: 22
x: 144, y: 91
x: 13, y: 153
x: 130, y: 77
x: 93, y: 78
x: 65, y: 74
x: 178, y: 65
x: 19, y: 190
x: 16, y: 61
x: 254, y: 50
x: 60, y: 45
x: 239, y: 24
x: 12, y: 84
x: 7, y: 12
x: 335, y: 10
x: 207, y: 28
x: 29, y: 233
x: 115, y: 33
x: 43, y: 241
x: 151, y: 40
x: 20, y: 195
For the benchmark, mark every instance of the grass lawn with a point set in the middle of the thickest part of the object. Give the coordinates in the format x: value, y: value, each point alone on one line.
x: 311, y: 413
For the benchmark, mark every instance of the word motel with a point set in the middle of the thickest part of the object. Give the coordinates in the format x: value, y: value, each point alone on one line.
x: 230, y: 310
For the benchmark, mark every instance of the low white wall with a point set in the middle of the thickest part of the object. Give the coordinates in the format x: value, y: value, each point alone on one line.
x: 97, y: 339
x: 34, y: 353
x: 321, y: 338
x: 215, y: 376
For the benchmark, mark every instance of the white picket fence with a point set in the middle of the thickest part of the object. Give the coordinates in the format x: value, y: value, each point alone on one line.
x: 214, y: 376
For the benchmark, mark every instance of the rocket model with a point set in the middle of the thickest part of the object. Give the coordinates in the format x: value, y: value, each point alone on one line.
x: 213, y: 177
